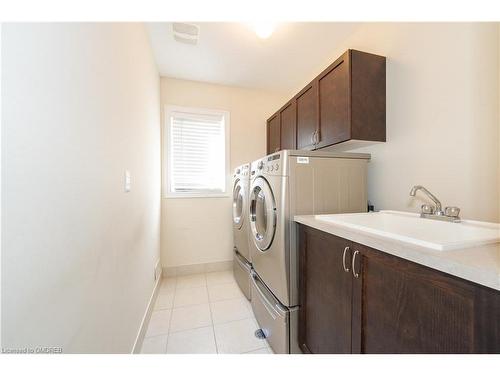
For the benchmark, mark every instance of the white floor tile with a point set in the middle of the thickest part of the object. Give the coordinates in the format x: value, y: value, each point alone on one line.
x: 165, y: 300
x: 191, y: 296
x: 191, y: 281
x: 224, y: 291
x: 229, y: 310
x: 194, y: 341
x: 168, y: 284
x: 154, y: 345
x: 190, y: 317
x: 222, y: 277
x: 159, y: 322
x: 237, y: 337
x: 183, y: 321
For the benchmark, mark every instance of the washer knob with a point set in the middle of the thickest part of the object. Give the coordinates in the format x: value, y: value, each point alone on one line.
x: 260, y: 165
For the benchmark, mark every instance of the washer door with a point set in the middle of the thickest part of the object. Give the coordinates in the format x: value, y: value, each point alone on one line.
x: 239, y: 204
x: 262, y: 214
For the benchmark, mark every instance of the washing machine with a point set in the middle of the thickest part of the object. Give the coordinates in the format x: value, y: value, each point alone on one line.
x: 241, y: 256
x: 285, y: 184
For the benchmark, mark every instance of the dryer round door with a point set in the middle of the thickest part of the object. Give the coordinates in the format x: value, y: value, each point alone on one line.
x: 262, y: 213
x: 239, y: 204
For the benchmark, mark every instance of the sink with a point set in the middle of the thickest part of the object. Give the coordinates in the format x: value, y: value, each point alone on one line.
x: 412, y: 229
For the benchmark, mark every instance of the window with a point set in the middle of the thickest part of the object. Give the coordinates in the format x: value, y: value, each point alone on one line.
x: 196, y: 147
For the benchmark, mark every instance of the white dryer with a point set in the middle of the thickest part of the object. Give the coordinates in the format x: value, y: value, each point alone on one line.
x: 241, y: 258
x: 285, y: 184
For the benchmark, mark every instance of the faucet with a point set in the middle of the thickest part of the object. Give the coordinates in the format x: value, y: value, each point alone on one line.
x: 436, y: 212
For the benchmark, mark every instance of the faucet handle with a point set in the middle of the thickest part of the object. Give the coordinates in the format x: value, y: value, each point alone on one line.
x: 427, y: 209
x: 452, y: 211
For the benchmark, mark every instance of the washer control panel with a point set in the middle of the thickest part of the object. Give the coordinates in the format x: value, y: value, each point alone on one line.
x: 269, y: 165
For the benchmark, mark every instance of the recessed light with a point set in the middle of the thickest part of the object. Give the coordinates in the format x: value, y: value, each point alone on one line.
x: 263, y: 29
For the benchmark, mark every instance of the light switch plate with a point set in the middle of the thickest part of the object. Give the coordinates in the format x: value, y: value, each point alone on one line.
x: 127, y: 181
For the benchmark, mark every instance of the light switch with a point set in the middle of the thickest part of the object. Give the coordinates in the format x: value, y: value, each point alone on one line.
x: 127, y: 181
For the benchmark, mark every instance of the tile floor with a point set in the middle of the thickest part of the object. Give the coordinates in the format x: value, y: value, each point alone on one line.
x: 202, y: 313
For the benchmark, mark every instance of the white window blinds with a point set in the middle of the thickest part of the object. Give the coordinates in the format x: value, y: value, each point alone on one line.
x: 197, y: 152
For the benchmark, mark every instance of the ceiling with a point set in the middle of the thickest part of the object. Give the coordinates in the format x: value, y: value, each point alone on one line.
x: 232, y: 54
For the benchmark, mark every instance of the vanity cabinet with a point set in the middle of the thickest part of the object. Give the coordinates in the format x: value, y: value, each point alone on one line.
x: 355, y: 299
x: 344, y: 104
x: 326, y: 292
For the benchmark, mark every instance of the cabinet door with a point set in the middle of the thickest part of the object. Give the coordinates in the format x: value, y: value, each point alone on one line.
x: 273, y: 134
x: 325, y: 294
x: 402, y: 307
x: 307, y: 116
x: 288, y: 129
x: 333, y: 91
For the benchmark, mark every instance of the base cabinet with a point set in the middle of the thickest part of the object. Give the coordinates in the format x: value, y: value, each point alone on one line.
x: 325, y: 308
x: 395, y: 306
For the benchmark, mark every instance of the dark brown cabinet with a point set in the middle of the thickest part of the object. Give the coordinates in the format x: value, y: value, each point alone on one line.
x: 395, y: 306
x: 346, y: 102
x: 273, y: 134
x: 333, y: 96
x: 307, y: 116
x: 287, y: 127
x: 326, y: 290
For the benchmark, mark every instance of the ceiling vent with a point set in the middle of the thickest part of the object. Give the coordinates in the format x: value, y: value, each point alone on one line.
x: 187, y: 33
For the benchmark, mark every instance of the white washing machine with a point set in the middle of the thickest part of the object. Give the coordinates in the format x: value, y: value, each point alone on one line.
x: 241, y: 258
x: 282, y: 185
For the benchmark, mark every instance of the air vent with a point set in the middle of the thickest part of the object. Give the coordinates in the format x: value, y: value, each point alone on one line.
x: 187, y: 33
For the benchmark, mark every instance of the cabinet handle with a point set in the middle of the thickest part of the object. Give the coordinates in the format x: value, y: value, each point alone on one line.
x: 316, y: 137
x: 346, y: 269
x: 356, y: 275
x: 312, y: 137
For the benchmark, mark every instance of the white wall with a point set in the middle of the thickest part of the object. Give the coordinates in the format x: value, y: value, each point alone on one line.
x: 199, y: 230
x: 442, y: 114
x: 80, y: 105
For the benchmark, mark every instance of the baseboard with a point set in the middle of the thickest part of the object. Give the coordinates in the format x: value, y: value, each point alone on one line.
x: 147, y: 316
x: 190, y: 269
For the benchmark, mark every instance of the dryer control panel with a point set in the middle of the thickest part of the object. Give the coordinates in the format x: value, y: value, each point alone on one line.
x: 242, y: 171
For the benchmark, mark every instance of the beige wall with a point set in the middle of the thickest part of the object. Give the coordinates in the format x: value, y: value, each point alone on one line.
x: 199, y: 230
x: 80, y: 105
x: 442, y: 114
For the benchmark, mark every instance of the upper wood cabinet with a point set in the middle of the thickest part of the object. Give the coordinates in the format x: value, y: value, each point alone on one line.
x: 273, y: 134
x: 307, y: 116
x: 288, y: 131
x: 355, y: 299
x: 346, y: 102
x: 334, y: 109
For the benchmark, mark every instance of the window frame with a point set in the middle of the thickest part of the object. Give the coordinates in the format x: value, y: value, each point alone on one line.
x: 166, y: 153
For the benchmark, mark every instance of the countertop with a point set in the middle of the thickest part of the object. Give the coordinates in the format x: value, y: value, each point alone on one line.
x: 480, y: 265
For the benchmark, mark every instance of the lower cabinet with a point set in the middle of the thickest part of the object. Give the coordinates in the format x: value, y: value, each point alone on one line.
x: 355, y: 299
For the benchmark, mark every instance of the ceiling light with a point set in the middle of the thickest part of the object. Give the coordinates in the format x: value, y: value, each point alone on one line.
x: 263, y: 29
